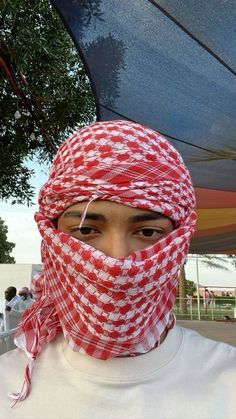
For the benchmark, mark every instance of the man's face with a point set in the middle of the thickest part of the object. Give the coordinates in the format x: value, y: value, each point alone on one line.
x: 10, y: 293
x: 115, y: 229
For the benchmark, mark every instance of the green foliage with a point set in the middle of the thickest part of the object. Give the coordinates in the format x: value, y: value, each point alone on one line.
x: 213, y: 261
x: 5, y: 246
x: 190, y: 287
x: 223, y: 262
x: 45, y: 66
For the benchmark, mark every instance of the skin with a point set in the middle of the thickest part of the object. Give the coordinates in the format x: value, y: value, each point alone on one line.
x: 10, y: 293
x: 115, y: 229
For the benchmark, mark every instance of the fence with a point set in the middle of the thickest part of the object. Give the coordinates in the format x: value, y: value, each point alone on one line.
x: 6, y: 341
x: 193, y: 309
x: 184, y: 308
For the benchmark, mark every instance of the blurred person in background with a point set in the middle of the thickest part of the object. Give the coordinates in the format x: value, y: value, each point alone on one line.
x: 6, y: 305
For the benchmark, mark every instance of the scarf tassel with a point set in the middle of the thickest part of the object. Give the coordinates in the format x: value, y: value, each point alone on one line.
x: 26, y: 387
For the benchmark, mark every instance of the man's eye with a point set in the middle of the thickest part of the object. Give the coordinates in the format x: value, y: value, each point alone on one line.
x: 83, y: 230
x: 86, y: 230
x: 149, y: 232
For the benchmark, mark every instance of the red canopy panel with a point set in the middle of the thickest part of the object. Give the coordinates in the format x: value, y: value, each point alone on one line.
x: 210, y: 198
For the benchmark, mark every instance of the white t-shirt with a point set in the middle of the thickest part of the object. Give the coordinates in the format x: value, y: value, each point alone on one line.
x: 187, y: 377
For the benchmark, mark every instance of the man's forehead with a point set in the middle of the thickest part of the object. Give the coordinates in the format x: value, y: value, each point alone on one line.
x: 105, y: 204
x: 101, y: 210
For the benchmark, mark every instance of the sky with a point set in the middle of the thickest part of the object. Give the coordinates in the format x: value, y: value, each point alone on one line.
x: 22, y: 231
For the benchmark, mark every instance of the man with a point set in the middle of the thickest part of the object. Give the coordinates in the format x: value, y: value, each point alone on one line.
x: 116, y: 216
x: 9, y: 317
x: 10, y: 301
x: 11, y: 297
x: 26, y: 299
x: 22, y: 303
x: 206, y: 297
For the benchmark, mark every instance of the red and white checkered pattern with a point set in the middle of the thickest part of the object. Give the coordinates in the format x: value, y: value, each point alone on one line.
x: 108, y: 307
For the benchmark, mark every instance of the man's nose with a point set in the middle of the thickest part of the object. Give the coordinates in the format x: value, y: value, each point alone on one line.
x: 117, y: 247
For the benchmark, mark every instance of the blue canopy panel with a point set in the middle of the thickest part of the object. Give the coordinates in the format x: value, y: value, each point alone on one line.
x: 170, y: 65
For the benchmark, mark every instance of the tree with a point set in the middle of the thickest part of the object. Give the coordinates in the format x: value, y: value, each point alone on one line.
x: 6, y: 247
x: 186, y: 287
x: 45, y: 92
x: 190, y: 287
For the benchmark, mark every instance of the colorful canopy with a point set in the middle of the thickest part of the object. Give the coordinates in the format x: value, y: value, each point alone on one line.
x: 171, y: 65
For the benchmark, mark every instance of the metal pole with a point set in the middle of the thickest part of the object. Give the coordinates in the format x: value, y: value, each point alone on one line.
x: 191, y: 308
x: 212, y: 308
x: 198, y: 294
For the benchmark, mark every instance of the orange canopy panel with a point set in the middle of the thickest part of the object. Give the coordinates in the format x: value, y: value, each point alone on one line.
x: 216, y: 225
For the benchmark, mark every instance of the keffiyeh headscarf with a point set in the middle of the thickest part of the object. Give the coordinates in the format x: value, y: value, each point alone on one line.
x: 108, y: 307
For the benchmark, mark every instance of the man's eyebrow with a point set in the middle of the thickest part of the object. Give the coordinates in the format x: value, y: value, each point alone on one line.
x: 89, y: 215
x: 146, y: 216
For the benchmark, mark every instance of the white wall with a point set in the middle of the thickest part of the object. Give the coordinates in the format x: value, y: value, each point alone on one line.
x: 17, y: 275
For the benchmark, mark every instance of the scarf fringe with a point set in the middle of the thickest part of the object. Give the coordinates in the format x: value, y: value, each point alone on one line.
x: 26, y: 387
x: 42, y: 318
